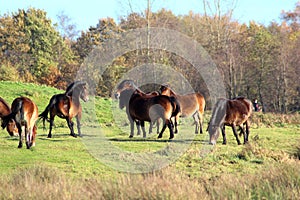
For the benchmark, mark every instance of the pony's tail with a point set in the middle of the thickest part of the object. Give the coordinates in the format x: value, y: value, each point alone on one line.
x: 44, y: 114
x: 18, y: 107
x: 175, y: 105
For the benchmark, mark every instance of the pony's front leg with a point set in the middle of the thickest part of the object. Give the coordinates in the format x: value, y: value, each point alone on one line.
x: 131, y: 128
x: 138, y: 126
x: 247, y: 132
x: 223, y: 134
x: 143, y: 128
x: 70, y: 125
x: 78, y: 125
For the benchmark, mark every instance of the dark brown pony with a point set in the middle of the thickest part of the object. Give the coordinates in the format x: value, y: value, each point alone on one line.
x: 5, y: 110
x: 192, y: 104
x: 230, y: 112
x: 126, y: 95
x: 24, y: 112
x: 66, y: 106
x: 143, y: 108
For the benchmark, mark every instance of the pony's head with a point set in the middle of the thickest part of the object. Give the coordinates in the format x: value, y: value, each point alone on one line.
x: 124, y: 85
x: 124, y: 98
x: 165, y: 90
x: 78, y: 88
x: 10, y: 125
x: 216, y: 121
x: 12, y: 128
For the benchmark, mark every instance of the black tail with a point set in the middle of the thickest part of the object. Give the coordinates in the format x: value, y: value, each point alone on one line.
x: 16, y: 107
x: 175, y: 105
x: 44, y: 114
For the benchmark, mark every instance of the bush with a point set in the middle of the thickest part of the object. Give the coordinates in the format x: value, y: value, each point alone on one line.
x: 8, y: 73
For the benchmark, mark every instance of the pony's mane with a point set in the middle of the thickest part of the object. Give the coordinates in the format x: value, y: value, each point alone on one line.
x: 72, y: 86
x: 132, y: 85
x: 169, y: 88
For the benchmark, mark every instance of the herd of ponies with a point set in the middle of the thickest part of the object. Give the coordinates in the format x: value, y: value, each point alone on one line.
x: 21, y: 117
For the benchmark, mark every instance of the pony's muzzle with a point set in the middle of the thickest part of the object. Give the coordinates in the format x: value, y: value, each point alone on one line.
x: 117, y: 95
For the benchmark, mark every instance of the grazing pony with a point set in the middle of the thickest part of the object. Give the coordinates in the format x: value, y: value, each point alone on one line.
x: 66, y: 106
x: 230, y: 112
x: 24, y: 112
x: 5, y: 110
x: 141, y: 107
x: 192, y: 104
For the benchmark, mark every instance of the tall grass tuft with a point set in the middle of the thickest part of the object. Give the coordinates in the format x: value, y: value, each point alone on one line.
x: 42, y: 182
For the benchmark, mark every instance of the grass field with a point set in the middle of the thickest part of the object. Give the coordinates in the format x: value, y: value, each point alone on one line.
x: 64, y: 167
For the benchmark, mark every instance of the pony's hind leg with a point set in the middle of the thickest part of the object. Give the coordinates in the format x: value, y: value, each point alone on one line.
x: 171, y: 130
x: 196, y: 121
x: 21, y: 138
x: 235, y: 134
x: 51, y: 123
x: 28, y: 134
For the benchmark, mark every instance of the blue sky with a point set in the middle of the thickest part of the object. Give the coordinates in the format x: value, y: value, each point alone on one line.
x: 87, y: 13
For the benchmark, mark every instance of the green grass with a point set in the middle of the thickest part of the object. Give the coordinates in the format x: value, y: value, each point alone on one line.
x: 64, y: 167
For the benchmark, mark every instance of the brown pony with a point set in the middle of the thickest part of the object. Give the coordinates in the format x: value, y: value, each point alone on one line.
x: 5, y: 110
x: 24, y: 112
x: 125, y: 96
x: 141, y: 107
x: 230, y: 112
x: 192, y: 104
x: 67, y: 106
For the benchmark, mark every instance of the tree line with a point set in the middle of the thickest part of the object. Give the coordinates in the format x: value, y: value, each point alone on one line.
x: 257, y: 61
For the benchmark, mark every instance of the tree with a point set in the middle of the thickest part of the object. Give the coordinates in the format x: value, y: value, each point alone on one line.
x: 31, y: 44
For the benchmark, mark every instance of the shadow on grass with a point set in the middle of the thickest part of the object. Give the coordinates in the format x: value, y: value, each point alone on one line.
x: 155, y: 140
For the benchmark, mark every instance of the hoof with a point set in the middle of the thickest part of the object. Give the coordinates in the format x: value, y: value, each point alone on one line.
x: 73, y: 135
x: 130, y: 136
x: 159, y: 136
x: 171, y: 137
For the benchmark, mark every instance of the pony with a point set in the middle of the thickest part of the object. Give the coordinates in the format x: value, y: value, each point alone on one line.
x: 5, y: 110
x: 142, y: 107
x: 66, y: 106
x: 230, y: 112
x: 125, y: 97
x: 191, y: 104
x: 24, y: 113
